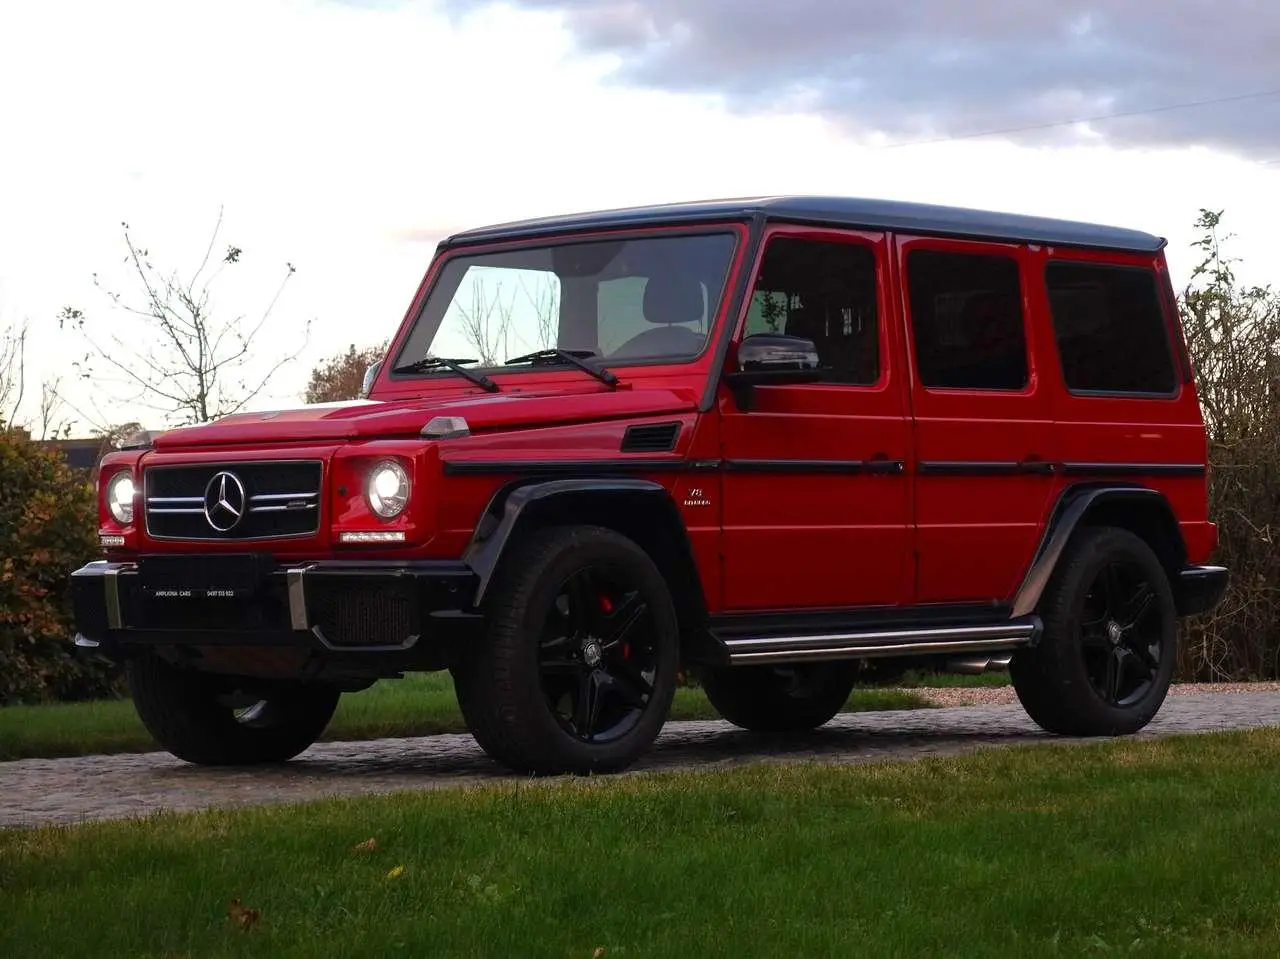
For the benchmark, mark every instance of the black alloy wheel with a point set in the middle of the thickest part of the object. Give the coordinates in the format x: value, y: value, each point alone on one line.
x: 1120, y: 634
x: 779, y: 699
x: 597, y: 656
x: 213, y: 720
x: 578, y: 667
x: 1103, y: 664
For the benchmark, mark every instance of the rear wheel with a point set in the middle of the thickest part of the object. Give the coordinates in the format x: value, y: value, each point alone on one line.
x: 1105, y: 660
x: 778, y: 699
x: 205, y: 719
x: 578, y: 668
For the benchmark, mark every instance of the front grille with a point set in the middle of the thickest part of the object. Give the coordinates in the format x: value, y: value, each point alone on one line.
x: 269, y: 500
x: 362, y: 613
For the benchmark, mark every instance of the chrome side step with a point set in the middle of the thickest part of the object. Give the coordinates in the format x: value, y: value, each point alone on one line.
x: 976, y: 664
x: 990, y: 638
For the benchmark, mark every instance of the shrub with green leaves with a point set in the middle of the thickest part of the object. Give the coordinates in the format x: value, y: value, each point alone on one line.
x: 48, y: 527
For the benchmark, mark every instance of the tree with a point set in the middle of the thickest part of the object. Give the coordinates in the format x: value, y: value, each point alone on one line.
x: 495, y: 326
x: 1233, y: 337
x: 13, y: 355
x: 341, y: 376
x: 49, y: 422
x: 50, y: 517
x: 180, y: 358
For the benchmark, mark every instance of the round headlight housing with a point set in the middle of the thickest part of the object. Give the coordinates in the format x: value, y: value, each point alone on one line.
x: 120, y: 494
x: 387, y: 489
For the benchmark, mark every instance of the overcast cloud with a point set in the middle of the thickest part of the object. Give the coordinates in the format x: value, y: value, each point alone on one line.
x: 916, y: 69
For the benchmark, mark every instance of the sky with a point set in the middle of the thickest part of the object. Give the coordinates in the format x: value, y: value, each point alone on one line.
x: 346, y: 137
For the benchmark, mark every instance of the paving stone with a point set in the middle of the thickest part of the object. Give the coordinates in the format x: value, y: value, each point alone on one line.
x: 38, y: 791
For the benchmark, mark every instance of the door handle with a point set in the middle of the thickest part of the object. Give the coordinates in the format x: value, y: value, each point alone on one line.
x: 881, y: 465
x: 1036, y: 466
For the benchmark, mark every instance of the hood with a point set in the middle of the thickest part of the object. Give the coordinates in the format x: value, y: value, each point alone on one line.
x: 398, y: 418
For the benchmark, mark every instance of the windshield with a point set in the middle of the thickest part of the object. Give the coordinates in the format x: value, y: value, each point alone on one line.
x: 626, y: 301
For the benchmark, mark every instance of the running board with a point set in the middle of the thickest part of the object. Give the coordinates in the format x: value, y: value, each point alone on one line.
x: 987, y: 638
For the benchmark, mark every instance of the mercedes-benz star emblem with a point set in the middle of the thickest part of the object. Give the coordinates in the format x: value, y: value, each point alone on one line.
x: 224, y: 501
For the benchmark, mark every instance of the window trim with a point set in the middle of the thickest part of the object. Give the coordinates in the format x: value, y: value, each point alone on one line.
x: 1015, y: 254
x: 1175, y: 367
x: 876, y: 245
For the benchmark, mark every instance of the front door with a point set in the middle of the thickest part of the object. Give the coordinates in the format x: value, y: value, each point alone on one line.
x: 985, y: 442
x: 816, y: 495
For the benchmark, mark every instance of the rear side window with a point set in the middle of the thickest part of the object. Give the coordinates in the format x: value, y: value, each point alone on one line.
x: 966, y: 320
x: 1110, y: 328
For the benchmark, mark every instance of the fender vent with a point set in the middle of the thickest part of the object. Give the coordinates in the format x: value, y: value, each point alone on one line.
x: 652, y: 438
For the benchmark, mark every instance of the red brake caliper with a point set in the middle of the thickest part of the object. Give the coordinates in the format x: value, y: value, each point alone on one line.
x: 606, y: 606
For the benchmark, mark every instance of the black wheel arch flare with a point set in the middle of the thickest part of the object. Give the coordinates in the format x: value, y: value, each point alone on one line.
x: 639, y: 508
x: 1142, y: 510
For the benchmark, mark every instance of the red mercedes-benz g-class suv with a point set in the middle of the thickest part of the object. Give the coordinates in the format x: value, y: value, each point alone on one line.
x: 766, y: 440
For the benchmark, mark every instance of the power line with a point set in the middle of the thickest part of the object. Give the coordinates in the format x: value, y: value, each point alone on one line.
x: 1187, y: 105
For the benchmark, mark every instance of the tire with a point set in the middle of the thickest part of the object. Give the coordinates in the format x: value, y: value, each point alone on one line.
x: 578, y: 667
x: 188, y: 714
x: 1105, y: 659
x: 779, y: 699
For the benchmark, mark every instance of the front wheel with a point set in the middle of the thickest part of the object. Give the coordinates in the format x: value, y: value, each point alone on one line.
x: 578, y: 668
x: 1105, y: 660
x: 205, y: 719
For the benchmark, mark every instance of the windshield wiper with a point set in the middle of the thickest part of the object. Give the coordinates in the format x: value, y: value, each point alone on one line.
x: 576, y: 358
x: 428, y: 363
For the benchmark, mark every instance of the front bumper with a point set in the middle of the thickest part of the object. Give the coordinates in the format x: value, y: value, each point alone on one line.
x: 249, y: 600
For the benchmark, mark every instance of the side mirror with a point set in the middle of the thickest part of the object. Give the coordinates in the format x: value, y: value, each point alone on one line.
x: 772, y: 359
x: 370, y: 375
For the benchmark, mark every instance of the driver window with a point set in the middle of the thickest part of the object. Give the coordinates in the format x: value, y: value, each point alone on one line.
x: 825, y: 292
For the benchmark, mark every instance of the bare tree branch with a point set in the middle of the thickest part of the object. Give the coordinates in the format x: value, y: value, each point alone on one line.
x: 13, y: 372
x: 185, y: 363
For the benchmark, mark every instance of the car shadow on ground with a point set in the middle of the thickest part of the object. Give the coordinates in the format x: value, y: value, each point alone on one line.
x: 688, y: 746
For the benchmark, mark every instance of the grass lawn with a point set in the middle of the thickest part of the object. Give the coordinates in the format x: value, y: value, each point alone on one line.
x: 1147, y: 848
x: 421, y: 704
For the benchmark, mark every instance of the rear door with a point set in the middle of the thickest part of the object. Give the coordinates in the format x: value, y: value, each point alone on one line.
x: 1126, y: 406
x: 816, y: 495
x: 984, y: 439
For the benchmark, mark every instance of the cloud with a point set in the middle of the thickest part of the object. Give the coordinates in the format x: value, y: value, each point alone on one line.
x: 920, y: 69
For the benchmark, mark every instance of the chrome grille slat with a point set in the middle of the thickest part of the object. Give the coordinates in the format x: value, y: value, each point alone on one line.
x: 280, y: 500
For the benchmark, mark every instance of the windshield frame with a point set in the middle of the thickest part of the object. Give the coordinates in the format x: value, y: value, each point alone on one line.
x: 719, y: 302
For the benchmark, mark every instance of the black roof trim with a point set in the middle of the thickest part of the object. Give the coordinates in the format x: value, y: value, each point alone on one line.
x: 846, y: 212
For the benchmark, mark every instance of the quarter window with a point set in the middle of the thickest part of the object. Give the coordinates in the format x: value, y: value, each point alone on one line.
x: 1110, y: 328
x: 825, y: 292
x: 966, y: 320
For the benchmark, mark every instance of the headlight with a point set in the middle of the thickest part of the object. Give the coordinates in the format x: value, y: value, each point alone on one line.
x: 387, y: 489
x: 120, y: 498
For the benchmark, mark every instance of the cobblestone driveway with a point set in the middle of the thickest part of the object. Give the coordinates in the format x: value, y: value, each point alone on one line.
x: 98, y: 787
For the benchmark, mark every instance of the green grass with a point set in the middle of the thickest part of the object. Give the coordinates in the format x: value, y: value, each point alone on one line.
x: 1142, y: 848
x: 421, y: 704
x: 914, y: 679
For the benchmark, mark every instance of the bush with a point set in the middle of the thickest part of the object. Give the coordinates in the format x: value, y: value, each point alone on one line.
x: 1233, y: 335
x: 48, y: 527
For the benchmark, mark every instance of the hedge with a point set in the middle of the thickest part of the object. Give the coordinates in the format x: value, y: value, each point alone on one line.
x: 48, y: 527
